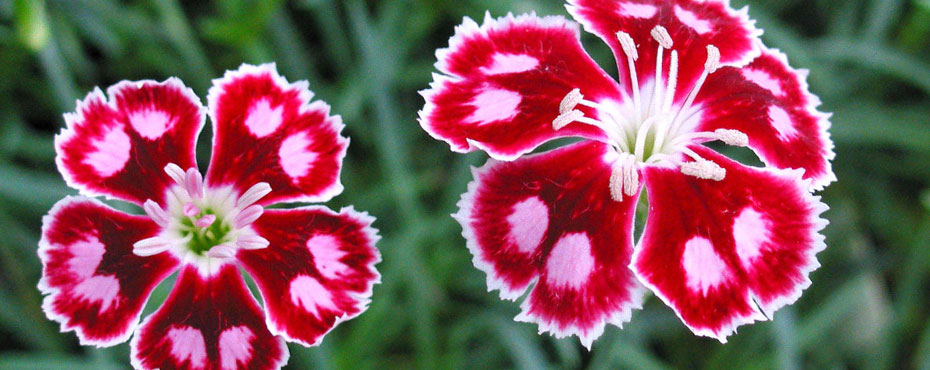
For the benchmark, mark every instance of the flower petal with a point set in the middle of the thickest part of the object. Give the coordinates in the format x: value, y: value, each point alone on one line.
x: 266, y: 130
x: 730, y: 252
x: 769, y: 101
x: 504, y: 81
x: 208, y: 323
x: 95, y: 285
x: 108, y: 145
x: 692, y: 26
x: 550, y: 218
x: 317, y: 271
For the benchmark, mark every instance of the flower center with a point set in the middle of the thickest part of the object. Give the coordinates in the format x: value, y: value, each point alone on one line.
x: 200, y: 225
x: 651, y: 128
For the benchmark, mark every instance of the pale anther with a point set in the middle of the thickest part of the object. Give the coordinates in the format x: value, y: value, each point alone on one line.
x: 251, y: 242
x: 175, y: 172
x: 256, y: 192
x: 629, y: 47
x: 205, y: 221
x: 713, y: 59
x: 630, y: 179
x: 221, y: 251
x: 661, y: 35
x: 156, y: 213
x: 564, y: 119
x: 616, y: 181
x: 150, y: 246
x: 732, y: 137
x: 624, y: 179
x: 191, y: 210
x: 570, y: 101
x: 704, y: 169
x: 193, y: 183
x: 248, y: 215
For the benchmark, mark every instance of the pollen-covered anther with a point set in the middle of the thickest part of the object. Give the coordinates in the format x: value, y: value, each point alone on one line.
x: 713, y: 59
x: 627, y: 44
x: 570, y: 101
x: 704, y: 169
x: 662, y: 37
x: 732, y: 137
x: 624, y: 178
x: 564, y: 119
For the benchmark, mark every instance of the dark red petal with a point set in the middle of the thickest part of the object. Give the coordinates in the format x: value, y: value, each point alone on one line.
x: 267, y: 130
x: 549, y: 218
x: 317, y: 271
x: 769, y: 101
x: 727, y: 253
x: 208, y: 323
x: 504, y: 81
x: 692, y: 26
x: 119, y: 147
x: 95, y: 285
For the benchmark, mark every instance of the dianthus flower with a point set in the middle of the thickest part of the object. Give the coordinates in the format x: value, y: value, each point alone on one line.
x: 313, y: 267
x: 724, y: 244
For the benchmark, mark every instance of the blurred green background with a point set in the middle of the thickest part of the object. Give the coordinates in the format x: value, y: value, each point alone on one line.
x: 868, y: 306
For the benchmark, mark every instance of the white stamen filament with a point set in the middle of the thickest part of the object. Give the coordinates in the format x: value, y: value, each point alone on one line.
x: 629, y: 48
x: 710, y: 66
x: 649, y: 132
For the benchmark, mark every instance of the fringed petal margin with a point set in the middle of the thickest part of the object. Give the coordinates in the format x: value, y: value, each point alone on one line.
x: 267, y: 130
x: 550, y: 218
x: 208, y: 323
x: 769, y: 101
x: 317, y: 271
x: 108, y: 145
x: 95, y: 285
x: 730, y: 252
x: 503, y: 82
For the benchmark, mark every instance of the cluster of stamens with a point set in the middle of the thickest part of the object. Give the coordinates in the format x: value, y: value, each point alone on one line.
x: 653, y: 133
x: 202, y: 225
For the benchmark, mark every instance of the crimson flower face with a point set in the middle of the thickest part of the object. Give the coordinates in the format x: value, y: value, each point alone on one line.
x: 313, y: 266
x: 724, y: 244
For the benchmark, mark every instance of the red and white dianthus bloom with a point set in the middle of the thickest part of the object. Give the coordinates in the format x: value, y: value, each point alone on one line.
x: 314, y: 267
x: 724, y: 244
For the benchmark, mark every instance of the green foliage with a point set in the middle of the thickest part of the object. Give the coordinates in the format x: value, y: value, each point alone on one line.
x: 867, y: 307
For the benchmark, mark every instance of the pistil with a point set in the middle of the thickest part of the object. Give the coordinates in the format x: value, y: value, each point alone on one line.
x: 203, y: 224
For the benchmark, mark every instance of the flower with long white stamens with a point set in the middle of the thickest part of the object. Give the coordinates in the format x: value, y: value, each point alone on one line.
x: 724, y: 244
